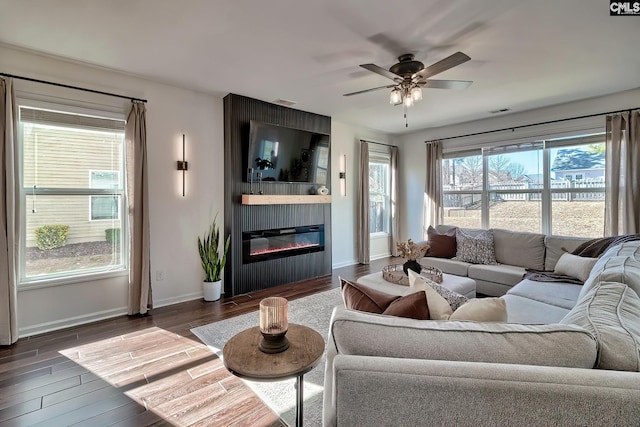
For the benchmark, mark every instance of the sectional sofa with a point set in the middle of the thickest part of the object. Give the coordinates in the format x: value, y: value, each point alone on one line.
x: 514, y: 252
x: 569, y: 354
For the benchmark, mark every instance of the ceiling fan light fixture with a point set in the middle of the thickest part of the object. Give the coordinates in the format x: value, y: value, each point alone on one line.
x: 408, y: 101
x: 396, y: 97
x: 416, y: 93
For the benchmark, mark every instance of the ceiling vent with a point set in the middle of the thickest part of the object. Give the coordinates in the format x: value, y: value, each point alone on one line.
x: 285, y: 102
x: 502, y: 110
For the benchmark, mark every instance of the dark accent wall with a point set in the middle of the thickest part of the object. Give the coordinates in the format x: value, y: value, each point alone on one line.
x: 242, y: 278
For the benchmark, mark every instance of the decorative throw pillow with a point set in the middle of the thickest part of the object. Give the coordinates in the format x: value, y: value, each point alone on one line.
x: 418, y: 283
x: 575, y: 266
x: 413, y: 306
x: 439, y: 308
x: 476, y: 309
x: 362, y: 298
x: 441, y: 245
x: 482, y: 310
x: 476, y: 249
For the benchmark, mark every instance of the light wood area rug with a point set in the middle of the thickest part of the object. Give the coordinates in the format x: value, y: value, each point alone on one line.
x: 313, y: 311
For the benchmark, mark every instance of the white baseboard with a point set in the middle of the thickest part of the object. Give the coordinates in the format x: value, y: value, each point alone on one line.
x: 175, y: 300
x: 344, y: 264
x: 94, y: 317
x: 70, y: 321
x: 379, y: 256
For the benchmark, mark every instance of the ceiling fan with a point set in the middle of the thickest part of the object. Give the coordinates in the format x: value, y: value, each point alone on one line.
x: 410, y: 76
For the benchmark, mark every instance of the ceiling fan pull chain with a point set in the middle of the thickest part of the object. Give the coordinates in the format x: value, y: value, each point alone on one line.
x: 406, y: 122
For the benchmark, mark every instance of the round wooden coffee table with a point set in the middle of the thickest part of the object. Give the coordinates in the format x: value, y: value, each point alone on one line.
x: 243, y: 358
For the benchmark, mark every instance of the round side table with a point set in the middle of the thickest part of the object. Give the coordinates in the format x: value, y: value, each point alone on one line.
x: 243, y: 358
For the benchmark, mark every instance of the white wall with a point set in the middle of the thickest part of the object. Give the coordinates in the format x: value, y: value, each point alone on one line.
x: 175, y: 221
x: 413, y: 151
x: 345, y: 139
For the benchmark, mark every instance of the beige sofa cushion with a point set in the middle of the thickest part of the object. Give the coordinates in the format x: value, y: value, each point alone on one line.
x: 369, y: 334
x: 527, y: 311
x: 558, y: 294
x: 450, y: 266
x: 611, y: 312
x: 519, y: 248
x: 555, y: 246
x: 620, y: 264
x: 503, y: 274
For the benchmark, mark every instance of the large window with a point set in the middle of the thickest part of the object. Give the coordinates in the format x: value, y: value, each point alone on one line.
x: 554, y: 186
x: 379, y: 193
x: 73, y: 197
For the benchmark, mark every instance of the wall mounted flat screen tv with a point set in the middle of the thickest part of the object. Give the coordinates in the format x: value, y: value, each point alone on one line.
x: 282, y: 154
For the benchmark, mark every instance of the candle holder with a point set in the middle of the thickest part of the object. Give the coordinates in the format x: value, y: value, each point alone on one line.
x: 259, y: 179
x: 273, y: 325
x: 250, y: 179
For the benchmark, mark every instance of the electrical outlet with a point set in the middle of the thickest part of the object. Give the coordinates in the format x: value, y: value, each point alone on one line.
x: 159, y: 275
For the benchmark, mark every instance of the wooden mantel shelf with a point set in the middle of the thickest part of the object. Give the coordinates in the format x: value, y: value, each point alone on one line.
x: 283, y: 199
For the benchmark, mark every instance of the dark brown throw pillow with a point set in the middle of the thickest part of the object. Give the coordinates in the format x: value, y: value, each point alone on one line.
x: 442, y: 245
x: 362, y: 298
x: 413, y: 306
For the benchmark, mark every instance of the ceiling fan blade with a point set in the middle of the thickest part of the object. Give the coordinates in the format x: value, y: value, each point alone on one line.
x: 379, y: 70
x: 368, y: 90
x: 441, y: 66
x: 445, y: 84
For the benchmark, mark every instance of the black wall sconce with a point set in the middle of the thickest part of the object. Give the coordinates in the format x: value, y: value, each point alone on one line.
x: 183, y: 165
x: 343, y: 175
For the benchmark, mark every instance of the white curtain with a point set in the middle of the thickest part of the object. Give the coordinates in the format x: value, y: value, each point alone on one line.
x: 8, y: 215
x: 622, y: 174
x: 432, y: 209
x: 395, y: 229
x: 363, y: 243
x: 140, y: 299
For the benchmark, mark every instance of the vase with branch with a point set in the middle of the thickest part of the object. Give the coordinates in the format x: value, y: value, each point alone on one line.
x: 411, y: 251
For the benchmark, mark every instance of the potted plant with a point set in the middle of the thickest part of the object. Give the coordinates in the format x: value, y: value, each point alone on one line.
x: 212, y: 262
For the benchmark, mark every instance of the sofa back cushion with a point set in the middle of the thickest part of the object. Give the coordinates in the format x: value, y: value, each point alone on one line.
x: 620, y: 264
x: 555, y: 246
x: 519, y: 248
x: 368, y: 334
x: 611, y: 312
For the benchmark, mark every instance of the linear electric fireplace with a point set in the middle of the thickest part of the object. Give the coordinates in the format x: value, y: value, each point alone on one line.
x: 262, y: 245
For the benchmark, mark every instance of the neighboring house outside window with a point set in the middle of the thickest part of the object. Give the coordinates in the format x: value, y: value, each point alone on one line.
x: 104, y: 207
x: 73, y: 194
x: 509, y: 187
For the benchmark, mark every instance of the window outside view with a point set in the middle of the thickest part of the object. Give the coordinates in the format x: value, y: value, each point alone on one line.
x: 516, y: 188
x: 379, y: 189
x: 73, y: 194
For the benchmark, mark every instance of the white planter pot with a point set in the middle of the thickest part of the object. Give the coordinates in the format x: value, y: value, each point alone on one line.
x: 212, y: 290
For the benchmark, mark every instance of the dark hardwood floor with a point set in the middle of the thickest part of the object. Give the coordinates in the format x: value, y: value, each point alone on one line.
x: 141, y: 371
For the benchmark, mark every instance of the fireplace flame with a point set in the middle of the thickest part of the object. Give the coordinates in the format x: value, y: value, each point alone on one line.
x: 283, y: 248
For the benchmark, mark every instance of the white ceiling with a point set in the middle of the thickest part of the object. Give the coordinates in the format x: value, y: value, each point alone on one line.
x: 524, y: 54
